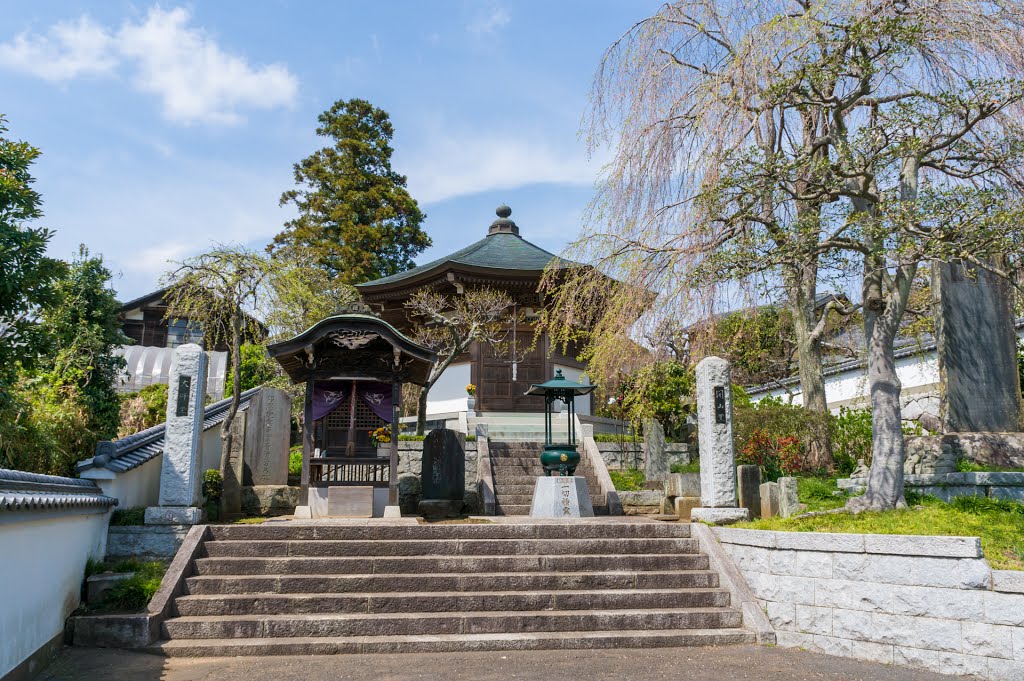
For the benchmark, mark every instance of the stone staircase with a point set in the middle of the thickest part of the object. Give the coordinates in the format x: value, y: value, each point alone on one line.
x: 300, y: 589
x: 516, y: 466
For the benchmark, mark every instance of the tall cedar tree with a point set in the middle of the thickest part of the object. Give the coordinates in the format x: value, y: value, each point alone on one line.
x: 356, y: 218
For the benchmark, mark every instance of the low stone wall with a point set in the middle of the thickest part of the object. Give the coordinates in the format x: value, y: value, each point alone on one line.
x: 270, y: 499
x: 949, y: 485
x: 926, y: 602
x: 145, y: 542
x: 634, y: 456
x: 646, y: 502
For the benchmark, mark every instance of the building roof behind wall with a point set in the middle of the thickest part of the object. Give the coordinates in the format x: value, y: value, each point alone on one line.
x: 24, y: 491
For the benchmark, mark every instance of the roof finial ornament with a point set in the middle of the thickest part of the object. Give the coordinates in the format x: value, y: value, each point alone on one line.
x: 503, y: 225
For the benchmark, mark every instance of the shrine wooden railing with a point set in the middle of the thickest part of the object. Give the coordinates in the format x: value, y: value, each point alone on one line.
x: 327, y: 471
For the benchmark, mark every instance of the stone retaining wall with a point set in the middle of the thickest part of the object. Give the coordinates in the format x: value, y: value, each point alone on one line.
x: 410, y: 465
x: 949, y: 485
x: 927, y: 602
x: 634, y: 455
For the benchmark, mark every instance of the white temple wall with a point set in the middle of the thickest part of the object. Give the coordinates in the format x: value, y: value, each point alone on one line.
x: 449, y: 393
x: 583, y: 402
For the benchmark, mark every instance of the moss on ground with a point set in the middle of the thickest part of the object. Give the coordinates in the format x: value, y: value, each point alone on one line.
x: 627, y: 480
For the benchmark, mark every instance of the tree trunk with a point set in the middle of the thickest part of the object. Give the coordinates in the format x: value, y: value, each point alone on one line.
x: 421, y: 411
x: 801, y: 292
x: 236, y: 388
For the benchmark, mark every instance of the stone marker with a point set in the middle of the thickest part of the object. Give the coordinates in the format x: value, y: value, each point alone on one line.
x: 750, y: 489
x: 714, y: 432
x: 789, y: 498
x: 557, y: 496
x: 232, y: 471
x: 180, y: 476
x: 656, y: 464
x: 266, y: 438
x: 682, y: 485
x: 443, y: 474
x: 769, y: 500
x: 684, y: 506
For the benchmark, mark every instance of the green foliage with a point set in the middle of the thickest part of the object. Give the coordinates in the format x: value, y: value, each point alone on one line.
x: 356, y: 219
x: 143, y: 409
x: 773, y: 421
x: 135, y: 592
x: 256, y: 366
x: 775, y: 455
x: 851, y: 439
x: 213, y: 485
x: 999, y: 523
x: 295, y: 461
x: 628, y: 480
x: 615, y: 438
x: 820, y: 494
x: 303, y: 294
x: 692, y: 467
x: 758, y: 342
x: 1020, y: 364
x: 662, y: 391
x: 122, y: 517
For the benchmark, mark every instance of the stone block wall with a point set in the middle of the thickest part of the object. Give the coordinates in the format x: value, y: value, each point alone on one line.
x: 994, y: 485
x: 634, y: 456
x: 410, y: 465
x: 926, y: 602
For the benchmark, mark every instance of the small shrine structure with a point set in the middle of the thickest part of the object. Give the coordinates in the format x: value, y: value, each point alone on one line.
x: 354, y: 365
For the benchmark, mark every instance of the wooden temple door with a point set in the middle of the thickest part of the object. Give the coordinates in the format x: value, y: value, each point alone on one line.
x: 497, y: 391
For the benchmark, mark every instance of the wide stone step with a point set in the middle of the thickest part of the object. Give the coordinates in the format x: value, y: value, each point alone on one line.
x: 447, y: 582
x: 513, y: 478
x: 448, y: 547
x: 447, y: 643
x: 455, y: 564
x: 390, y: 624
x: 576, y: 530
x: 509, y: 461
x: 512, y: 509
x: 435, y: 602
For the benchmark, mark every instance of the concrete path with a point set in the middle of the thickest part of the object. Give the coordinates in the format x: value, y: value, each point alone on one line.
x: 731, y: 663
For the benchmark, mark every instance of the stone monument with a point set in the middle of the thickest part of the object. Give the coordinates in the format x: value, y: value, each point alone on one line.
x: 231, y: 472
x: 717, y: 455
x: 267, y: 429
x: 750, y: 489
x: 561, y: 496
x: 789, y: 498
x: 656, y: 464
x: 180, y: 477
x: 770, y: 499
x: 443, y: 474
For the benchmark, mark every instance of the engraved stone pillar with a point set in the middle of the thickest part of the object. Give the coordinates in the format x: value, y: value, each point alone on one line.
x: 750, y: 489
x: 714, y: 433
x: 180, y: 477
x: 789, y: 500
x: 231, y: 498
x: 769, y: 499
x: 656, y: 465
x: 266, y: 438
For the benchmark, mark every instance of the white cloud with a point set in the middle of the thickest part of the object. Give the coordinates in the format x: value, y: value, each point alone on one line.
x: 463, y: 164
x: 489, y: 21
x: 65, y: 52
x: 196, y: 80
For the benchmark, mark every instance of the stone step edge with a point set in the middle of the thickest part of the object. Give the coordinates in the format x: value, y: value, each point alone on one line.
x: 428, y: 575
x: 445, y: 594
x: 431, y: 556
x: 451, y: 642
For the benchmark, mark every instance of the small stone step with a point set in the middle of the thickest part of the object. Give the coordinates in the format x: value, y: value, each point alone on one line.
x: 498, y: 581
x: 460, y: 564
x: 453, y: 642
x: 512, y: 509
x: 434, y: 602
x: 447, y: 547
x: 384, y: 624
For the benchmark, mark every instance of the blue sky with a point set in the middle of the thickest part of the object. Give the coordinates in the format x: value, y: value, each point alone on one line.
x: 167, y: 127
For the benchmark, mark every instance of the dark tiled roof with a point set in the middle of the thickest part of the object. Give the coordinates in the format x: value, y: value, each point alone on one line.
x: 134, y: 450
x: 22, y: 491
x: 500, y: 251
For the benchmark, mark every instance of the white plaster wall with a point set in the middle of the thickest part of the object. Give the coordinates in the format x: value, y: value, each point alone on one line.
x: 925, y: 602
x: 449, y: 393
x: 209, y: 449
x: 41, y: 571
x: 137, y: 487
x: 582, y: 402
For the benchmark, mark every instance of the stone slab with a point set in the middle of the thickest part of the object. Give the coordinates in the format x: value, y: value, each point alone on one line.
x: 789, y: 499
x: 145, y: 542
x: 561, y: 497
x: 350, y: 502
x: 683, y: 506
x: 1008, y: 581
x: 233, y: 470
x: 270, y: 499
x: 443, y: 466
x: 682, y: 485
x: 392, y: 512
x: 267, y: 434
x: 97, y: 586
x: 749, y: 489
x: 770, y: 499
x: 173, y: 515
x: 656, y: 464
x: 440, y: 508
x: 719, y: 516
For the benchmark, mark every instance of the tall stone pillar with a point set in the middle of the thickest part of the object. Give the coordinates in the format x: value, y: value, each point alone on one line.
x: 977, y: 350
x: 180, y: 477
x: 714, y: 435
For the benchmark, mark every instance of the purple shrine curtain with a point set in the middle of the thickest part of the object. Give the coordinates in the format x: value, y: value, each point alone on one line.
x: 327, y: 396
x: 378, y: 397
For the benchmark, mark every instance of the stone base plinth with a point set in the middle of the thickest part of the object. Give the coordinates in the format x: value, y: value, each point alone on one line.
x: 440, y: 508
x: 392, y: 511
x: 303, y: 513
x: 719, y: 516
x: 173, y: 515
x: 561, y: 497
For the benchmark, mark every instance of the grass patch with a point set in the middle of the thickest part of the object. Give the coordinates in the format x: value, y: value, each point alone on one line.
x: 123, y: 517
x: 251, y: 520
x: 132, y: 594
x: 628, y: 480
x: 820, y: 494
x: 692, y: 467
x: 968, y: 466
x: 615, y: 439
x: 999, y: 523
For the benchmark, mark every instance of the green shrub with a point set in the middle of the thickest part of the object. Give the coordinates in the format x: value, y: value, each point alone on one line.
x: 851, y: 439
x: 122, y: 517
x: 692, y: 467
x: 135, y: 592
x: 775, y: 422
x: 213, y: 489
x: 143, y: 409
x: 295, y: 460
x: 614, y: 438
x: 775, y: 455
x: 412, y: 438
x: 628, y: 480
x: 256, y: 368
